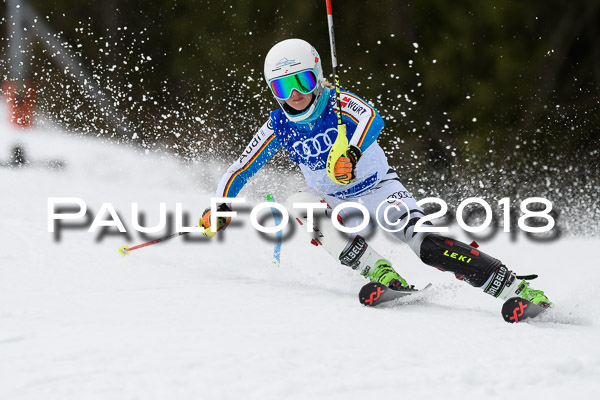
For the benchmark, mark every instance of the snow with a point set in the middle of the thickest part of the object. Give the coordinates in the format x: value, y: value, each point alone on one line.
x: 215, y: 319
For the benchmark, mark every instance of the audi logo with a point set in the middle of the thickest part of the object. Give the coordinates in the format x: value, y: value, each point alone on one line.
x: 316, y: 145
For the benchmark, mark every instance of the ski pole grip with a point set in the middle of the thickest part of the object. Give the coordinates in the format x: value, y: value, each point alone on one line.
x: 338, y: 149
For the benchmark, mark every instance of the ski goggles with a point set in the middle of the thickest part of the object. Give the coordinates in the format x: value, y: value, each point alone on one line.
x: 304, y: 82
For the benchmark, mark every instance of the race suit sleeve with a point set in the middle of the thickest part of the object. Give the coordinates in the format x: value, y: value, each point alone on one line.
x: 368, y: 122
x: 260, y: 150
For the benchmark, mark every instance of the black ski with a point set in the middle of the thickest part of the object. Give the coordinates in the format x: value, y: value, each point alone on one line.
x: 374, y: 293
x: 517, y: 309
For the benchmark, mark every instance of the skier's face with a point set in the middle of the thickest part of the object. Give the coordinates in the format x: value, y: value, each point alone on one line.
x: 299, y: 101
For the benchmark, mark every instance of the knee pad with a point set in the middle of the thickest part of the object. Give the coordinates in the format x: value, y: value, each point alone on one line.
x: 465, y: 261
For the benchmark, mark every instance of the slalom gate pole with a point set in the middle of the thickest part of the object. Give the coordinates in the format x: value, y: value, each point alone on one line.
x: 336, y: 77
x: 124, y: 250
x: 341, y: 142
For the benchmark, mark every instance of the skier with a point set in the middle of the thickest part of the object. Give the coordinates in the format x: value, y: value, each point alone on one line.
x: 306, y: 126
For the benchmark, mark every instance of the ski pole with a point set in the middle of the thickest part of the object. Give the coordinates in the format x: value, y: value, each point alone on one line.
x: 277, y: 249
x: 124, y: 250
x: 341, y: 142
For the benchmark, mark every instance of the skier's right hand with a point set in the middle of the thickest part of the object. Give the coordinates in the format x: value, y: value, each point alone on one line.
x: 222, y: 222
x: 345, y: 166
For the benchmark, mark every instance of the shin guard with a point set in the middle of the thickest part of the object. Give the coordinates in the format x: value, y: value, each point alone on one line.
x: 466, y: 262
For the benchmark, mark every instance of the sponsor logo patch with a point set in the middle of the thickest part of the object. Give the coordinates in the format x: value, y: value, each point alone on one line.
x: 498, y: 282
x: 354, y: 106
x: 401, y: 194
x: 284, y: 61
x: 314, y: 149
x: 253, y: 144
x: 351, y: 257
x: 457, y: 256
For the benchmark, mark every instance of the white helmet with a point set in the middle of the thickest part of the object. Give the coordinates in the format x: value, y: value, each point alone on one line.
x: 288, y: 58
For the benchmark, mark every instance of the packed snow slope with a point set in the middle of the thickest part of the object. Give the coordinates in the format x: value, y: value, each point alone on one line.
x: 215, y: 319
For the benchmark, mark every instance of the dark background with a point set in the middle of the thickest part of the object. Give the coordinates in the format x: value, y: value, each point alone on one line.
x: 487, y: 98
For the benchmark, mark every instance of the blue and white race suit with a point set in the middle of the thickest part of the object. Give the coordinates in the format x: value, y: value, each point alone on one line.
x: 308, y: 145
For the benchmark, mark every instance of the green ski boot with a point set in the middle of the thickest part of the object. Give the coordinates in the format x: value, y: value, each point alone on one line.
x: 515, y: 289
x: 535, y: 296
x: 385, y: 274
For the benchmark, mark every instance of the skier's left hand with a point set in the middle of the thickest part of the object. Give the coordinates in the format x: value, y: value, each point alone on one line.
x: 345, y: 166
x: 222, y: 222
